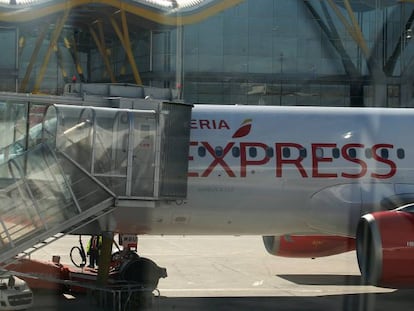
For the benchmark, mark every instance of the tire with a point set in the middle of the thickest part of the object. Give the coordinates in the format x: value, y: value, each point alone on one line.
x: 142, y: 271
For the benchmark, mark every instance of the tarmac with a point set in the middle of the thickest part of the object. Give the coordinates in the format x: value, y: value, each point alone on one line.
x: 236, y: 273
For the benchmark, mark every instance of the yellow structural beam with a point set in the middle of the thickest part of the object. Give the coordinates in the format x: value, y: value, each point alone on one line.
x: 43, y: 10
x: 107, y: 52
x: 357, y: 28
x: 126, y: 44
x: 102, y: 50
x: 33, y: 58
x: 53, y: 41
x: 59, y: 57
x: 353, y: 29
x: 73, y: 50
x: 128, y: 49
x: 22, y: 44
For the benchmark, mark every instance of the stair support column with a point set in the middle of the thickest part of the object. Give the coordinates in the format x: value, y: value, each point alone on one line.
x: 105, y: 258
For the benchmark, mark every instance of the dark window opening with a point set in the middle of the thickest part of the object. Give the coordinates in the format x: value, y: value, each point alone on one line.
x: 235, y: 152
x: 253, y: 152
x: 335, y: 153
x: 319, y: 153
x: 400, y: 153
x: 352, y: 153
x: 269, y: 152
x: 201, y: 152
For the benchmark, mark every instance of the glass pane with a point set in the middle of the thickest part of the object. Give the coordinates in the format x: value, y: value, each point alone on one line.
x: 143, y: 159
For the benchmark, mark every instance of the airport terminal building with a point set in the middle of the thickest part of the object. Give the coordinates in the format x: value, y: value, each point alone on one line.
x: 245, y: 52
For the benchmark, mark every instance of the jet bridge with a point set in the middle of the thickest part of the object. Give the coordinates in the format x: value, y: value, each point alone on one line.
x: 81, y: 161
x: 136, y: 153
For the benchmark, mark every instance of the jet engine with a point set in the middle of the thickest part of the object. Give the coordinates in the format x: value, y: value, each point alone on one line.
x: 385, y: 247
x: 307, y: 246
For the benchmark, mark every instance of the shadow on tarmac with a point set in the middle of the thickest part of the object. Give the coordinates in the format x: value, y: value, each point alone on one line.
x: 361, y: 302
x: 323, y: 279
x: 398, y: 300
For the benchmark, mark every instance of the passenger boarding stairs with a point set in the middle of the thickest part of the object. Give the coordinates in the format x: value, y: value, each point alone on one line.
x: 40, y: 203
x: 81, y: 160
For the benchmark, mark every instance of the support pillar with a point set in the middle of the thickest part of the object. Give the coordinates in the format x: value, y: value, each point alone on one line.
x: 105, y: 258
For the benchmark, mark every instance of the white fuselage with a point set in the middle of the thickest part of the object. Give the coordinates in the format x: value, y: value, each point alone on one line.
x: 279, y: 170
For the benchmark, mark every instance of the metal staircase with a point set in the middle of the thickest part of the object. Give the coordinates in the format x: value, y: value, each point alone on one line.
x: 45, y: 197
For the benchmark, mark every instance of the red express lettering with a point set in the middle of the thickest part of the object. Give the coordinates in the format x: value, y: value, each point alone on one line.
x: 191, y: 158
x: 319, y: 158
x: 244, y: 162
x: 218, y: 159
x: 280, y: 161
x: 361, y: 163
x: 391, y: 164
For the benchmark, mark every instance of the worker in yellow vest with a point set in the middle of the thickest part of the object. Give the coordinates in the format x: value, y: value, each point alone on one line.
x: 93, y: 250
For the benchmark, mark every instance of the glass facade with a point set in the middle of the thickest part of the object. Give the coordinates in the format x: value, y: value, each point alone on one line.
x: 296, y: 176
x: 299, y: 53
x: 270, y: 52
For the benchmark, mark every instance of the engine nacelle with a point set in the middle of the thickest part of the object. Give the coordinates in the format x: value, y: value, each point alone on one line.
x: 385, y: 248
x: 307, y: 246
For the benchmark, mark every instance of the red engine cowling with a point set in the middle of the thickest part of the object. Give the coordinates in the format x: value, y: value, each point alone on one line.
x: 385, y: 248
x: 307, y: 246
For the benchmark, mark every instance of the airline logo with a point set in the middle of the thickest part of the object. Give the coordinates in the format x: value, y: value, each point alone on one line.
x: 309, y: 160
x: 244, y: 129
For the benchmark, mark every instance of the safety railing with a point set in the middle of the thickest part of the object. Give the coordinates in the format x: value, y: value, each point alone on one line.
x: 41, y: 196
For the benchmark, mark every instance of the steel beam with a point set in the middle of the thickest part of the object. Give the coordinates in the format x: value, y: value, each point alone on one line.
x: 353, y: 29
x: 53, y: 41
x: 101, y: 47
x: 73, y: 51
x: 357, y: 28
x: 126, y: 44
x: 33, y: 58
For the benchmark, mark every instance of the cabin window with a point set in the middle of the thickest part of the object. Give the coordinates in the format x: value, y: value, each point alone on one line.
x: 235, y: 151
x: 384, y: 153
x: 286, y: 152
x: 352, y: 153
x: 201, y: 152
x: 335, y: 153
x: 218, y: 151
x: 400, y: 153
x: 319, y: 153
x: 253, y: 152
x: 303, y: 153
x: 270, y: 152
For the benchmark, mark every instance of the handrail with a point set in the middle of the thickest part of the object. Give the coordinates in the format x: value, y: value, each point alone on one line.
x: 27, y: 188
x: 87, y: 173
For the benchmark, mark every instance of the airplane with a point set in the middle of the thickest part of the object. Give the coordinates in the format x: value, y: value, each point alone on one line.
x: 310, y: 180
x: 313, y: 181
